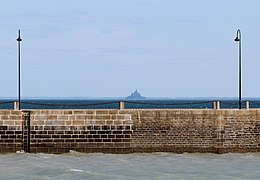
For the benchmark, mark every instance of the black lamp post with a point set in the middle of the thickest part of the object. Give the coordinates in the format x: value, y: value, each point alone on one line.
x: 19, y: 70
x: 238, y: 39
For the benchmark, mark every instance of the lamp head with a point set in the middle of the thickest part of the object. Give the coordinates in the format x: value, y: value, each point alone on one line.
x: 237, y: 39
x: 19, y: 39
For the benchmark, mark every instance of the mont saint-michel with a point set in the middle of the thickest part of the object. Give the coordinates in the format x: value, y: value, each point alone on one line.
x: 135, y: 96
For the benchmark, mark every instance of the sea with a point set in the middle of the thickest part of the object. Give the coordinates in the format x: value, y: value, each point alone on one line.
x: 152, y: 166
x: 129, y: 104
x: 136, y: 166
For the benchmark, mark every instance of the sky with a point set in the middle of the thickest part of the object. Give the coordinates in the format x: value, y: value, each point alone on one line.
x: 101, y: 48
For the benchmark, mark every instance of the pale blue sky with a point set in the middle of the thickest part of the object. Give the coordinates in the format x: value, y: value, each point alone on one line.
x: 109, y: 48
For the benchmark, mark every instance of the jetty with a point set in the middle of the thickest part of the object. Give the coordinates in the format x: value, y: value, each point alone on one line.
x: 123, y: 130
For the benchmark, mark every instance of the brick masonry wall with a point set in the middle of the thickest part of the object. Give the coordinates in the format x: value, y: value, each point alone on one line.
x: 175, y: 130
x: 58, y: 131
x: 217, y: 131
x: 10, y: 131
x: 241, y: 131
x: 126, y: 131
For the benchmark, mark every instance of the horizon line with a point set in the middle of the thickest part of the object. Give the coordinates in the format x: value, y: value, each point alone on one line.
x: 99, y: 97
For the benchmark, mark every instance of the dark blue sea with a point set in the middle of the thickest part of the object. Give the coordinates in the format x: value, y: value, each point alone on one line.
x: 129, y: 104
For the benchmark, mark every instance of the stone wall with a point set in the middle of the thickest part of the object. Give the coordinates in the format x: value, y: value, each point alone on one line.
x: 241, y: 131
x: 175, y: 130
x: 181, y: 130
x: 126, y: 131
x: 58, y: 131
x: 10, y: 131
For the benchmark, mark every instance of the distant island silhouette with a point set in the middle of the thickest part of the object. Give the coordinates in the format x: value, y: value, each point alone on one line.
x: 135, y: 96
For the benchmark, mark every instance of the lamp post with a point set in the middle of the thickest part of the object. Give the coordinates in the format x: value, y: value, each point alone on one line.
x: 19, y: 70
x: 238, y: 39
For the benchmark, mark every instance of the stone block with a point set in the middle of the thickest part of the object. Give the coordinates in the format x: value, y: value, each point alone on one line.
x: 40, y: 117
x: 113, y: 112
x: 110, y: 122
x: 18, y: 123
x: 125, y: 117
x: 90, y: 112
x: 101, y: 122
x: 90, y: 117
x: 55, y: 123
x: 80, y: 117
x: 68, y: 123
x: 17, y: 113
x: 5, y: 112
x: 40, y: 122
x: 102, y: 117
x: 52, y: 117
x: 102, y: 112
x: 68, y: 112
x: 15, y: 117
x: 62, y: 117
x: 78, y: 123
x: 5, y: 117
x: 118, y: 122
x: 9, y: 122
x: 79, y: 112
